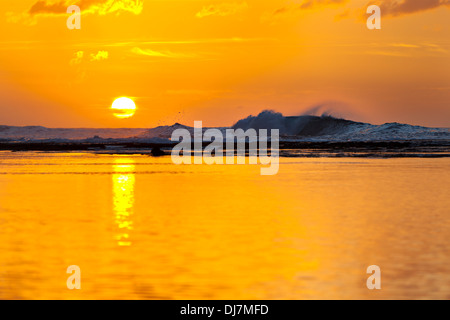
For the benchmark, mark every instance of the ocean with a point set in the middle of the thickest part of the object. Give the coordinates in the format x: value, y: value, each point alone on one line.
x: 140, y: 227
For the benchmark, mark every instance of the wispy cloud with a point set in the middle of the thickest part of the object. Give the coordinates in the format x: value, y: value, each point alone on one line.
x: 79, y: 69
x: 80, y: 65
x: 235, y: 40
x: 88, y: 6
x: 405, y: 45
x: 295, y: 8
x: 223, y: 9
x: 431, y: 47
x: 313, y: 3
x: 309, y: 4
x: 196, y: 92
x: 161, y: 54
x: 402, y: 7
x: 48, y: 8
x: 78, y: 58
x: 388, y: 53
x: 407, y: 49
x: 101, y: 55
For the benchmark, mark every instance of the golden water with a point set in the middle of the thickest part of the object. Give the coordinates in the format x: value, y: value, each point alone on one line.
x: 142, y: 228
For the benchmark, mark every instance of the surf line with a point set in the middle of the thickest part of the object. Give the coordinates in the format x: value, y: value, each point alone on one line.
x: 213, y: 153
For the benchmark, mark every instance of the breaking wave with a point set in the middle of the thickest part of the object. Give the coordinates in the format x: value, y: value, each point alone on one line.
x: 327, y: 127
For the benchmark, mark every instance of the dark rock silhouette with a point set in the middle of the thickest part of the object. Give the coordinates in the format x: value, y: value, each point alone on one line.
x: 157, y: 152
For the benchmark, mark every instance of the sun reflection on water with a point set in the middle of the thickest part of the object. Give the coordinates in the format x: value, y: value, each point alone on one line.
x: 123, y: 190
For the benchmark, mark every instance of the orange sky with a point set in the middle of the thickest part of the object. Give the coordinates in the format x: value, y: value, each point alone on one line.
x: 219, y: 61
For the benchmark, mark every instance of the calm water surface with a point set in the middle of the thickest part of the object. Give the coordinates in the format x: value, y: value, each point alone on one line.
x: 142, y: 228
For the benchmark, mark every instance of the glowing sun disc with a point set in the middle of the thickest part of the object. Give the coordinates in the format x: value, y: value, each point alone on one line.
x: 123, y: 108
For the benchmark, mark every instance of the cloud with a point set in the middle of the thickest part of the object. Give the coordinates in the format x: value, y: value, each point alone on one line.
x: 402, y: 7
x: 78, y: 58
x: 196, y: 92
x: 343, y: 15
x: 389, y: 53
x: 223, y: 9
x: 161, y: 54
x: 101, y: 55
x: 313, y: 3
x: 294, y: 8
x: 79, y: 69
x: 407, y: 49
x: 175, y: 42
x: 44, y: 7
x: 101, y: 7
x: 48, y: 8
x: 405, y: 45
x: 308, y: 4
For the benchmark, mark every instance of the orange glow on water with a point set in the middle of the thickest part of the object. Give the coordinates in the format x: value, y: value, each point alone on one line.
x: 123, y: 198
x: 140, y: 228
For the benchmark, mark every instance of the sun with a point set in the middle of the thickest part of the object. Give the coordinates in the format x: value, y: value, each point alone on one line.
x: 123, y: 108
